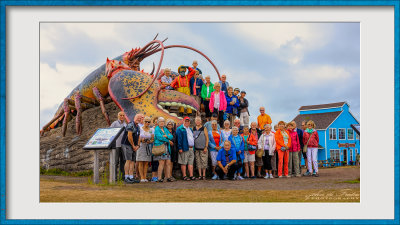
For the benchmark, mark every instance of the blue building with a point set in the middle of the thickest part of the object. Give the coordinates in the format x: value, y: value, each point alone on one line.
x: 335, y: 125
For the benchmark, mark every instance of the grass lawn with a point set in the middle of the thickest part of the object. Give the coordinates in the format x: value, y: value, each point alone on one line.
x: 56, y: 191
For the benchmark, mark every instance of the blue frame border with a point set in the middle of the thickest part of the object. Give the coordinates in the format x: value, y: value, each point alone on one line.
x: 5, y: 3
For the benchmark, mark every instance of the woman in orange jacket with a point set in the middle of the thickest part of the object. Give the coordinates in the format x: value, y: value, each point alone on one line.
x: 283, y: 143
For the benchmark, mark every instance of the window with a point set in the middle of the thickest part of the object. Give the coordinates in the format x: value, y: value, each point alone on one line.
x: 335, y: 154
x: 342, y: 134
x: 350, y: 134
x: 357, y: 137
x: 351, y: 155
x: 332, y: 134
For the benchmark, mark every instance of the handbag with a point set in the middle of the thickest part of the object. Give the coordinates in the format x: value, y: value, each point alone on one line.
x: 260, y: 152
x: 305, y: 146
x: 160, y: 149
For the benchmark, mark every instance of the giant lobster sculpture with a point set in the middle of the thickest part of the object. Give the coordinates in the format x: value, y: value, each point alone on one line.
x: 132, y: 90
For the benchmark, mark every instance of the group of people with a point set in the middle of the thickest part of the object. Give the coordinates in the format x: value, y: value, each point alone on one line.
x: 236, y: 152
x: 234, y: 148
x: 217, y: 97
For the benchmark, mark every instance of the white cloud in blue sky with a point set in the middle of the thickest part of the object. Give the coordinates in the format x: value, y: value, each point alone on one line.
x: 282, y: 66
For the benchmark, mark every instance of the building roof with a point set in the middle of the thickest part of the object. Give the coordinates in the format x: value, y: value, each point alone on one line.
x: 321, y: 120
x: 356, y: 128
x: 322, y: 106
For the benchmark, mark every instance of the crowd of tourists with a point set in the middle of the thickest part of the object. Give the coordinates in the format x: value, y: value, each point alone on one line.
x: 227, y: 146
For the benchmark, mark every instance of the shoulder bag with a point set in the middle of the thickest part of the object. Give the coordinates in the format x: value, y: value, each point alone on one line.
x: 160, y: 149
x: 305, y: 146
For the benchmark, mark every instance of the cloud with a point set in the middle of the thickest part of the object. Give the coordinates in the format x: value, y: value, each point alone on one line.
x: 57, y: 83
x: 287, y: 41
x: 320, y: 75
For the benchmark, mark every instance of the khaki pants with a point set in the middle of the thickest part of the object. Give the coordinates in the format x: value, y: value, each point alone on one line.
x: 294, y: 163
x: 184, y: 90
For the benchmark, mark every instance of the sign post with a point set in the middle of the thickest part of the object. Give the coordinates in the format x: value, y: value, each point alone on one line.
x: 103, y: 139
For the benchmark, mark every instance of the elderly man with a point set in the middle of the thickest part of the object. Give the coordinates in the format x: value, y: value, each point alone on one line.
x: 263, y: 119
x: 130, y: 146
x: 236, y: 123
x: 185, y: 139
x: 208, y: 125
x: 195, y: 87
x: 119, y: 158
x: 244, y: 114
x: 224, y: 84
x: 226, y: 160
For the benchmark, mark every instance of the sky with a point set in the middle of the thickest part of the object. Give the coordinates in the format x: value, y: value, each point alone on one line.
x: 281, y: 66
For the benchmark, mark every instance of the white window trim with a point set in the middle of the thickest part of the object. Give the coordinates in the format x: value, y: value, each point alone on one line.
x: 334, y: 151
x: 344, y: 133
x: 351, y: 155
x: 348, y: 133
x: 330, y: 133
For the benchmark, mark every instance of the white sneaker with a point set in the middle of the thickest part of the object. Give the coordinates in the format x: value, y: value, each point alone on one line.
x: 240, y: 178
x: 266, y: 176
x: 214, y: 177
x: 280, y: 176
x: 288, y: 176
x: 271, y: 176
x: 235, y: 177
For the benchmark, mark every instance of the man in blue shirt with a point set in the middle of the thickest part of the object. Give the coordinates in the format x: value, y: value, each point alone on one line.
x: 195, y: 87
x: 226, y: 160
x: 224, y: 84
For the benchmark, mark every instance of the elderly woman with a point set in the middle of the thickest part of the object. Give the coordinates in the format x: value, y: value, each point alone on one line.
x: 174, y: 151
x: 218, y: 103
x: 214, y: 145
x: 252, y: 142
x: 200, y: 135
x: 294, y: 151
x: 206, y: 91
x: 259, y: 161
x: 154, y: 162
x: 143, y: 154
x: 163, y: 137
x: 238, y: 145
x: 268, y: 144
x: 166, y: 80
x: 226, y: 132
x: 232, y: 102
x: 283, y: 143
x: 311, y: 139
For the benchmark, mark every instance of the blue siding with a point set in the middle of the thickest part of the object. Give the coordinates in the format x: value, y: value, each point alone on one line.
x: 344, y: 120
x: 321, y: 110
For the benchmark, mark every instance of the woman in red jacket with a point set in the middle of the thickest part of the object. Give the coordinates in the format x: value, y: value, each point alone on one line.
x: 294, y: 151
x: 311, y: 139
x: 283, y: 144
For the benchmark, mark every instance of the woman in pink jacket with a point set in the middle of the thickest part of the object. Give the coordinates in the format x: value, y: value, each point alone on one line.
x: 311, y: 139
x: 218, y: 103
x: 294, y: 151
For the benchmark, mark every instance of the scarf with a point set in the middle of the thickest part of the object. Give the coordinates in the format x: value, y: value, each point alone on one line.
x: 308, y: 130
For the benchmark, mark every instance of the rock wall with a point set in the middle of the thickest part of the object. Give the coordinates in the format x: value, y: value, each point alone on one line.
x: 66, y: 152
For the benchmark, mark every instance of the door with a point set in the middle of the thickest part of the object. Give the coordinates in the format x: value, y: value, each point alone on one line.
x: 345, y: 155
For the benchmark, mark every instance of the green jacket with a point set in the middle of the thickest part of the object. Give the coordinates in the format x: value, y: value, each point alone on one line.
x: 204, y: 91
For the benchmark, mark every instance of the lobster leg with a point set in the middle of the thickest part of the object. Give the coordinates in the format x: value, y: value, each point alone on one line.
x: 78, y: 118
x: 100, y: 99
x: 66, y: 116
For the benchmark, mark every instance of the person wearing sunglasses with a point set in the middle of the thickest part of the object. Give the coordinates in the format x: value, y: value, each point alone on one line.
x: 143, y: 154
